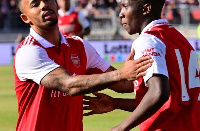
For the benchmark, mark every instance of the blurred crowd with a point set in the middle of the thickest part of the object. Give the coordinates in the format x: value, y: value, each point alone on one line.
x: 91, y: 9
x: 172, y: 10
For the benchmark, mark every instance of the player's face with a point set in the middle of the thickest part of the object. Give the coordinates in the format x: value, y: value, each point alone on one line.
x: 40, y: 13
x: 130, y: 16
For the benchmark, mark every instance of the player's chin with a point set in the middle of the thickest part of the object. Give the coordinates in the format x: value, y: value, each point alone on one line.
x: 128, y: 30
x: 51, y: 23
x: 131, y: 31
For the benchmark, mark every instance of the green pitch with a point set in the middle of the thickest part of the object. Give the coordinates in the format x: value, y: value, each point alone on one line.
x: 8, y: 106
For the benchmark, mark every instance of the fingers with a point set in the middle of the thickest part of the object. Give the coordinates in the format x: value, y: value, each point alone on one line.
x: 98, y: 95
x: 86, y: 97
x: 95, y: 93
x: 141, y: 74
x: 142, y: 59
x: 131, y: 55
x: 144, y: 65
x: 141, y: 65
x: 88, y: 113
x: 86, y: 108
x: 86, y: 102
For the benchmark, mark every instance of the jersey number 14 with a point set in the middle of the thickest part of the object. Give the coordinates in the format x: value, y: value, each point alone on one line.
x: 193, y: 70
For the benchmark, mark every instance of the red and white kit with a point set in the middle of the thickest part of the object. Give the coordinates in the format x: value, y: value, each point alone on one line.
x: 44, y: 109
x: 175, y: 58
x: 72, y: 22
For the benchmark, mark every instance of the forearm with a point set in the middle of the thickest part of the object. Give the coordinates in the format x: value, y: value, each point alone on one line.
x: 123, y: 86
x: 61, y: 80
x: 124, y: 104
x: 147, y: 107
x: 156, y: 96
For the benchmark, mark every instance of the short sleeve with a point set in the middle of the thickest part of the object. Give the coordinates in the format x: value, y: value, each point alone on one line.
x: 93, y: 58
x: 149, y: 45
x: 32, y: 62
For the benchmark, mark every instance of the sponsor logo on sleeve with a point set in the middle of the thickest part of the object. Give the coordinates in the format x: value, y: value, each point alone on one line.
x: 150, y: 52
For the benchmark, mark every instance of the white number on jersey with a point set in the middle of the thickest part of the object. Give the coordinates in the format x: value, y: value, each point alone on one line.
x: 193, y: 69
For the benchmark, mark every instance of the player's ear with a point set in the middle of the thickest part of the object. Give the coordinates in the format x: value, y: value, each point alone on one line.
x: 25, y: 18
x: 146, y: 9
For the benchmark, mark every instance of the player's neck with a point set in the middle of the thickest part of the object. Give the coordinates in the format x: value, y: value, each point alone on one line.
x: 51, y: 35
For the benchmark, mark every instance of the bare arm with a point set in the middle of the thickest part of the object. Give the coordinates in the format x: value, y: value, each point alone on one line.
x: 60, y: 79
x: 103, y: 103
x: 123, y: 86
x: 124, y: 104
x: 127, y: 86
x: 156, y: 96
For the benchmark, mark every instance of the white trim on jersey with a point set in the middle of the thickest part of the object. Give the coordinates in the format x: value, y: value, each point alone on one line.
x: 147, y: 44
x: 40, y: 64
x: 35, y: 68
x: 155, y: 23
x: 93, y: 58
x: 43, y: 41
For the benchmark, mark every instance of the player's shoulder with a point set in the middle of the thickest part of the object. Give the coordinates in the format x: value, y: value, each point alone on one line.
x: 145, y: 38
x: 148, y: 40
x: 74, y: 38
x: 28, y: 40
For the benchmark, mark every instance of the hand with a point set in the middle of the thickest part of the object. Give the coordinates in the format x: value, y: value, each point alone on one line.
x: 133, y: 69
x: 100, y: 104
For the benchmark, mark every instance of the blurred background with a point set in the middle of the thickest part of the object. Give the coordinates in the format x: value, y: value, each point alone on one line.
x: 103, y: 17
x: 107, y: 36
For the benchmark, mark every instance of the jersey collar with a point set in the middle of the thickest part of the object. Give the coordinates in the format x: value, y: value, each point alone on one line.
x: 155, y: 22
x: 43, y: 41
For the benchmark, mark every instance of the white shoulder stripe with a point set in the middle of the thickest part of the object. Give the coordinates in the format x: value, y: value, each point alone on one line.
x: 25, y: 40
x: 29, y: 40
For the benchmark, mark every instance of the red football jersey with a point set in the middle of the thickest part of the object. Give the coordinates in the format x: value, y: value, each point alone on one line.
x: 72, y: 22
x: 175, y: 58
x: 43, y: 109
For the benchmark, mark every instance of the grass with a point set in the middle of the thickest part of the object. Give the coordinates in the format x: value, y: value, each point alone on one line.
x: 8, y: 102
x: 8, y: 106
x: 104, y: 122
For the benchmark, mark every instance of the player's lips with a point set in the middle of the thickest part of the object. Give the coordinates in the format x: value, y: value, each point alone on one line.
x: 48, y: 14
x: 124, y: 24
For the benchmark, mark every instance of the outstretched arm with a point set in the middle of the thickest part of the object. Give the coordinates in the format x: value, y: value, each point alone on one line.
x: 127, y: 86
x: 156, y: 96
x: 60, y: 79
x: 103, y: 103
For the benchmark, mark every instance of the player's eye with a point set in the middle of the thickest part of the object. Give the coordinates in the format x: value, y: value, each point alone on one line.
x: 34, y: 3
x: 125, y: 6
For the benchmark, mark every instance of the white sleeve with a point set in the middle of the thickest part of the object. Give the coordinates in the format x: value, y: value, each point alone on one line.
x: 32, y: 62
x: 150, y: 45
x: 82, y: 20
x: 93, y: 58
